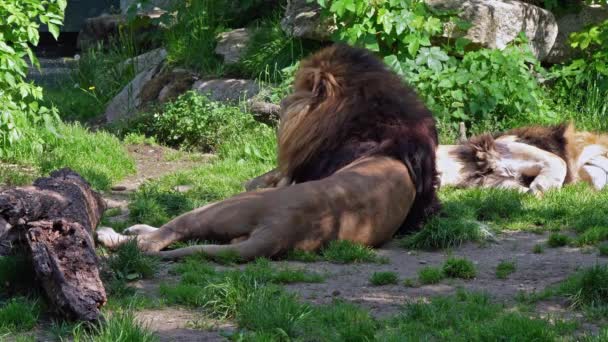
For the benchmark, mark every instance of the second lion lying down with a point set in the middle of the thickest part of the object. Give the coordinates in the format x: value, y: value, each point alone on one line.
x: 360, y: 148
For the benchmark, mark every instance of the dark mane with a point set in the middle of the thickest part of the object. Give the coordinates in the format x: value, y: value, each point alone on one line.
x: 347, y: 105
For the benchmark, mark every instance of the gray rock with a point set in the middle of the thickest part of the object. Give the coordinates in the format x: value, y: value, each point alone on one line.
x: 232, y: 45
x: 232, y: 90
x: 497, y: 23
x: 561, y: 51
x: 303, y: 20
x: 148, y: 60
x: 125, y: 104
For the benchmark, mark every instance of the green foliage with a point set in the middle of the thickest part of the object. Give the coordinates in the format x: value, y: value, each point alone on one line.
x: 430, y: 275
x: 99, y: 157
x: 538, y: 249
x: 122, y: 326
x: 603, y: 249
x: 588, y: 288
x: 459, y: 268
x: 18, y: 314
x: 20, y: 100
x: 129, y: 262
x: 468, y: 317
x: 490, y: 87
x: 582, y: 85
x: 12, y: 277
x: 504, y: 269
x: 396, y: 28
x: 302, y: 256
x: 557, y: 240
x: 344, y: 252
x: 195, y: 122
x: 270, y: 50
x: 384, y: 278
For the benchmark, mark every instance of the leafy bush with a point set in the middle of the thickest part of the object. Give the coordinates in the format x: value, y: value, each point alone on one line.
x: 195, y: 122
x: 582, y: 84
x: 19, y: 99
x: 270, y: 50
x: 491, y: 89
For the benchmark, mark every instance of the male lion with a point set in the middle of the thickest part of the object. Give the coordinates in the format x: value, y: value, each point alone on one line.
x: 360, y: 147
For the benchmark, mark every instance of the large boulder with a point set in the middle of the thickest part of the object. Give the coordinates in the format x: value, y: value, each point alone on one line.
x: 232, y: 45
x: 303, y: 19
x: 496, y: 23
x: 230, y: 90
x: 561, y: 51
x: 128, y: 100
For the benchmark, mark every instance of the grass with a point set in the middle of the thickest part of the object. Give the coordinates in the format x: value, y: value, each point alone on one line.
x: 12, y: 278
x: 222, y: 293
x: 98, y: 156
x: 384, y: 278
x: 587, y: 288
x: 18, y: 314
x: 303, y: 256
x: 459, y: 268
x: 603, y: 249
x: 430, y: 275
x: 504, y: 269
x: 120, y: 327
x: 344, y: 252
x: 271, y: 50
x: 538, y: 249
x: 472, y: 214
x: 557, y: 240
x: 130, y: 263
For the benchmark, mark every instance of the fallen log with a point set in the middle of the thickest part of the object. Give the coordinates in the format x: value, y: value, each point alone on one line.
x: 56, y: 218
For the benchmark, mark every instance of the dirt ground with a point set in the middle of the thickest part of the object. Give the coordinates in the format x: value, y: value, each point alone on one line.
x: 534, y: 272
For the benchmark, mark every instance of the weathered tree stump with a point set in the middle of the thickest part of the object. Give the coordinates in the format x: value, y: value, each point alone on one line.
x: 56, y: 218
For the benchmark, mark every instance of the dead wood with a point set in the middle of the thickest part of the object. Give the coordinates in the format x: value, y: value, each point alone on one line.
x: 56, y: 218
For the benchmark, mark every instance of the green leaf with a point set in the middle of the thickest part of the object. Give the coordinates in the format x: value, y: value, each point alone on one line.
x: 54, y: 30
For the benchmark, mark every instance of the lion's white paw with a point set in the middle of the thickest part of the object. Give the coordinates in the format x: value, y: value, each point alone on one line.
x: 108, y: 237
x: 139, y: 229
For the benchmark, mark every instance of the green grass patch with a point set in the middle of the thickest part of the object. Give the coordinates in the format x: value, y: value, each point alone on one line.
x: 538, y: 249
x: 430, y: 275
x: 384, y: 278
x: 468, y: 317
x: 12, y: 277
x: 221, y: 293
x: 472, y: 214
x: 587, y: 288
x: 130, y: 263
x: 504, y: 269
x: 18, y: 314
x: 603, y: 249
x: 557, y: 240
x: 345, y: 252
x: 459, y: 268
x: 98, y: 156
x: 303, y: 256
x: 120, y: 327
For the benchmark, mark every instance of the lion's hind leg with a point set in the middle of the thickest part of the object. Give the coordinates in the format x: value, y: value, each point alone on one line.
x: 262, y: 244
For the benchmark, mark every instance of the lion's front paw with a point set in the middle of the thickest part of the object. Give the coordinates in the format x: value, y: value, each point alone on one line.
x: 139, y: 229
x: 109, y: 238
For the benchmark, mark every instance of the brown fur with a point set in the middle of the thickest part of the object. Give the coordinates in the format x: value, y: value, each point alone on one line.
x: 360, y: 148
x: 365, y: 202
x: 347, y: 105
